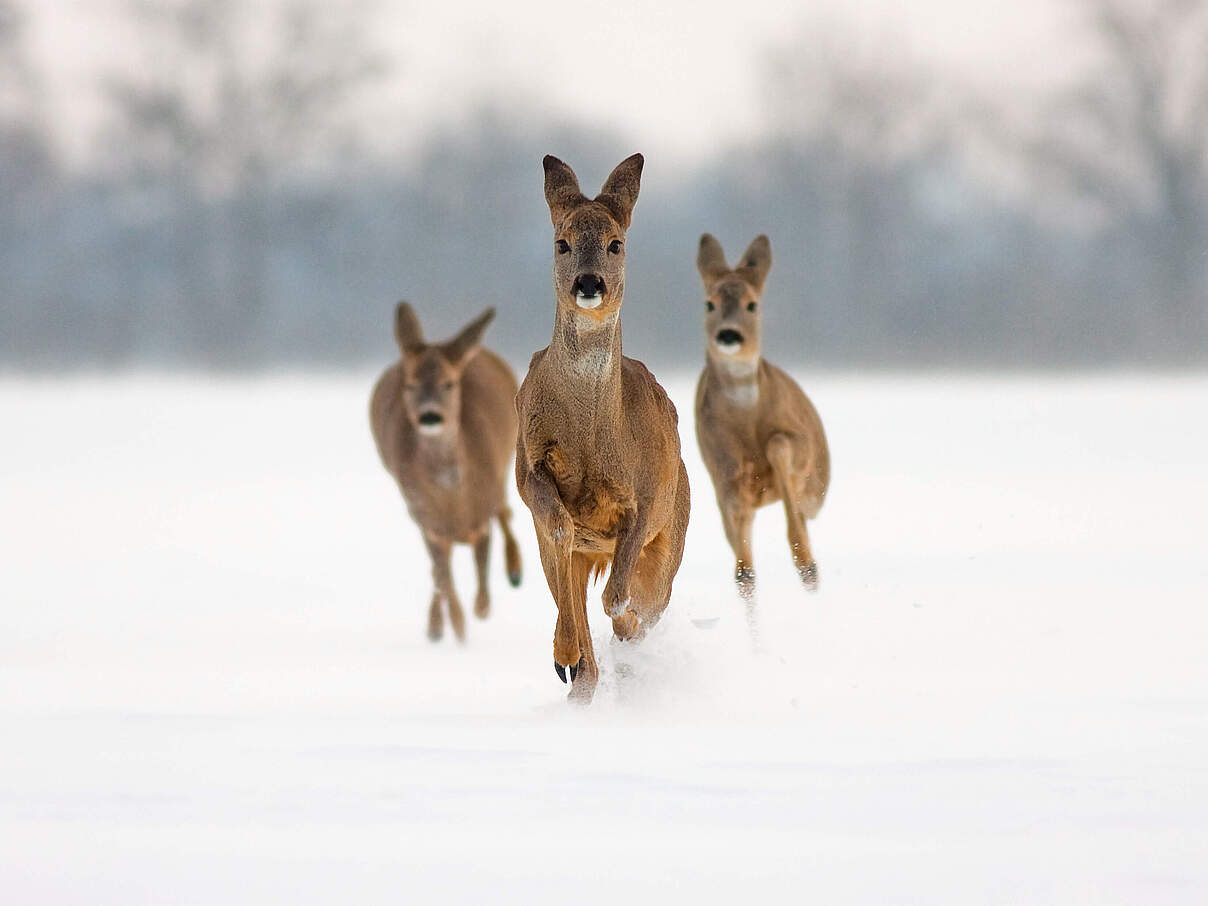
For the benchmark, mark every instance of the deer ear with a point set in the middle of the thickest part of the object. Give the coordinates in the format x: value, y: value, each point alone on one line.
x: 407, y: 332
x: 756, y: 262
x: 561, y: 188
x: 459, y: 349
x: 620, y: 191
x: 711, y: 260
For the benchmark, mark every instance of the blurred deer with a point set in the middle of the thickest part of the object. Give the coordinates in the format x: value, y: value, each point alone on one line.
x: 759, y: 435
x: 598, y: 455
x: 444, y: 421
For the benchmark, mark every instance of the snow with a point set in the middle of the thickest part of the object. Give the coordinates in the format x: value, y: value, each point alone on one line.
x: 215, y: 685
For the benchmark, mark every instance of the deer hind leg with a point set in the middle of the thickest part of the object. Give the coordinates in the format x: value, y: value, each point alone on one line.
x: 660, y: 561
x: 780, y: 455
x: 511, y: 550
x: 442, y: 577
x: 482, y: 559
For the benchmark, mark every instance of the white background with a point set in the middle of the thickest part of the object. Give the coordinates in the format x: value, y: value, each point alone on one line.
x: 215, y: 686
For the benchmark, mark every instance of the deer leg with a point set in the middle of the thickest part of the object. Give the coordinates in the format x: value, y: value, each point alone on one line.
x: 585, y: 674
x: 442, y: 576
x: 567, y: 576
x: 436, y: 619
x: 538, y: 490
x: 631, y: 538
x: 482, y: 559
x: 556, y: 562
x: 737, y: 517
x: 660, y: 561
x: 780, y: 455
x: 511, y: 550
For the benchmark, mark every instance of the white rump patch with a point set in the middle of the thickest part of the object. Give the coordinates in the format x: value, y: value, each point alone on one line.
x: 588, y: 302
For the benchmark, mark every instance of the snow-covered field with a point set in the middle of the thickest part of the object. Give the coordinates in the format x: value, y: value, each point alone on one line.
x: 215, y: 685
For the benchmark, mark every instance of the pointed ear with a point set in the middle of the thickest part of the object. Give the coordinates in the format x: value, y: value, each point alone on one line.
x: 711, y: 260
x: 620, y: 191
x: 756, y: 262
x: 561, y: 188
x: 407, y: 332
x: 459, y: 349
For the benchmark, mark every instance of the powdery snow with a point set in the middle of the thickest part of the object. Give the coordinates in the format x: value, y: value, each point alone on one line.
x: 215, y: 685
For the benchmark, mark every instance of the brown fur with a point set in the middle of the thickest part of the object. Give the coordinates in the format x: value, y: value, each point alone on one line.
x: 759, y: 435
x: 453, y: 476
x: 598, y: 455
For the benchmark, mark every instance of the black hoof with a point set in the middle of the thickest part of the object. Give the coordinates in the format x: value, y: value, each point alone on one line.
x: 514, y: 579
x: 561, y: 671
x: 809, y: 575
x: 435, y: 633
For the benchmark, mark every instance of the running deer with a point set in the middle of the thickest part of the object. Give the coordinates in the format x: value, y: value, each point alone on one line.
x: 598, y: 454
x: 444, y: 424
x: 759, y: 435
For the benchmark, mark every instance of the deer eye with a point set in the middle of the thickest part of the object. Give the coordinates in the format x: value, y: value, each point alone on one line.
x: 447, y: 385
x: 614, y: 247
x: 562, y: 246
x: 708, y: 305
x: 750, y: 306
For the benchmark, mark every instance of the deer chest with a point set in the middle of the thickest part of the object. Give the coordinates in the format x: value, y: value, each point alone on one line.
x: 594, y: 499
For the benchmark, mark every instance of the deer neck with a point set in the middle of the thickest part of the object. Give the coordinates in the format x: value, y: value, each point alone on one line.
x: 441, y: 456
x: 738, y: 380
x: 587, y: 356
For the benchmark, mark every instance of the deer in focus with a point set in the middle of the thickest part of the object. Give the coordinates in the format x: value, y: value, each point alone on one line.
x: 759, y: 434
x: 444, y: 422
x: 598, y: 454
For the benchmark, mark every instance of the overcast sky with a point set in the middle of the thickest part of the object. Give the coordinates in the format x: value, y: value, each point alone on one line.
x: 675, y: 77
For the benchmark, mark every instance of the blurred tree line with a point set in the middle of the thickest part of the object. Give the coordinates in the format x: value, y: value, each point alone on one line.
x: 232, y: 217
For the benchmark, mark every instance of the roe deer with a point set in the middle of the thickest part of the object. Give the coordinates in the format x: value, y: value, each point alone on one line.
x: 598, y: 455
x: 444, y: 422
x: 759, y: 435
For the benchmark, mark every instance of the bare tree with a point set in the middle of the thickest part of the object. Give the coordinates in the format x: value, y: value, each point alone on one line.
x: 1129, y: 139
x: 25, y: 156
x: 225, y: 109
x: 860, y: 123
x: 27, y: 168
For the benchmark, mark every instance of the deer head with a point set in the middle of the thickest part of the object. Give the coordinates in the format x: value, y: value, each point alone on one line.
x: 432, y: 372
x: 589, y: 237
x: 732, y: 308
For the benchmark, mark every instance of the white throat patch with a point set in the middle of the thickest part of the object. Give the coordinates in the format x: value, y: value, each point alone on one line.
x: 745, y: 394
x: 594, y: 363
x: 742, y: 388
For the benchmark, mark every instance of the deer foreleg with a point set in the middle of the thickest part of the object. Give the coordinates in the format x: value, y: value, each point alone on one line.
x: 442, y: 578
x: 540, y: 493
x: 631, y: 538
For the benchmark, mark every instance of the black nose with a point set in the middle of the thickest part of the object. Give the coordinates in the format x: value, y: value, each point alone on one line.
x: 729, y: 337
x: 431, y: 418
x: 589, y: 285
